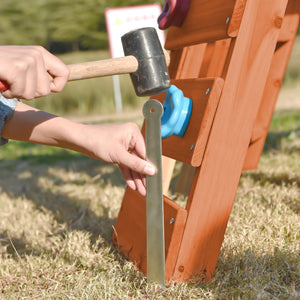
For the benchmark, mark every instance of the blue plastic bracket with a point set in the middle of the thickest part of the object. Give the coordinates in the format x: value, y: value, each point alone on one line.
x: 177, y: 113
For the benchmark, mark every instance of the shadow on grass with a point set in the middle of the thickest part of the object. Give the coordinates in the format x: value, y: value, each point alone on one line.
x: 16, y: 246
x: 66, y: 209
x: 284, y: 139
x: 281, y: 179
x: 249, y: 275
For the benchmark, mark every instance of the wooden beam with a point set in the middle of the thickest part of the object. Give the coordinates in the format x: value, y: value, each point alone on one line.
x: 215, y: 182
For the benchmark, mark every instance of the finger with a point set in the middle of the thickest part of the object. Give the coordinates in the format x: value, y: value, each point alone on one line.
x: 136, y: 163
x: 16, y: 83
x: 144, y: 180
x: 31, y: 78
x: 59, y: 71
x: 16, y: 89
x: 138, y: 144
x: 58, y: 84
x: 126, y: 173
x: 42, y: 78
x: 8, y: 94
x: 31, y: 74
x: 139, y: 183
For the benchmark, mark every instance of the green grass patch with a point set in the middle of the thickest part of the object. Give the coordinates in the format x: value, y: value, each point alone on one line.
x: 34, y: 154
x: 292, y: 74
x: 284, y: 132
x: 285, y: 121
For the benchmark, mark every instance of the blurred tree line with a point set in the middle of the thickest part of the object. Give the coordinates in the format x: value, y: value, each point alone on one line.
x: 58, y: 25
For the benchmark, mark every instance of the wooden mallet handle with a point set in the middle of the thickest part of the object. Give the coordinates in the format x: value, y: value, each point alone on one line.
x: 100, y: 68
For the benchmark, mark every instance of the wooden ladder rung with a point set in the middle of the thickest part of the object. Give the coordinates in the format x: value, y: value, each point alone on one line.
x: 207, y: 21
x: 205, y: 94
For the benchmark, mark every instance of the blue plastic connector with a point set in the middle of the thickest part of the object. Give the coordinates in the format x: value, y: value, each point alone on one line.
x: 177, y: 113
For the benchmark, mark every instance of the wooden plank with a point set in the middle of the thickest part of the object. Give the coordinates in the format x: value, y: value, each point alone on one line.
x: 236, y: 18
x: 293, y: 7
x: 175, y: 60
x: 213, y: 62
x: 205, y: 94
x: 191, y: 62
x: 185, y: 179
x: 271, y: 92
x: 215, y: 182
x: 277, y: 70
x: 168, y: 165
x: 130, y: 230
x: 206, y: 21
x: 185, y: 63
x: 215, y: 58
x: 287, y: 31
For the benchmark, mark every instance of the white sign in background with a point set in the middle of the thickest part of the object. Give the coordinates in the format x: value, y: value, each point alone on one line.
x: 121, y: 20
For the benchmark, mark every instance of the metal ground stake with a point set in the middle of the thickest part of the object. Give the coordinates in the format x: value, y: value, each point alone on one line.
x: 153, y: 111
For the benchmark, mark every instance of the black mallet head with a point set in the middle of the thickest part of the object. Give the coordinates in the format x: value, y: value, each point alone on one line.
x: 152, y: 75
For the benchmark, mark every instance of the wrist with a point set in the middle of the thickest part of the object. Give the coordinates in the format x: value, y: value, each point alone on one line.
x: 72, y: 136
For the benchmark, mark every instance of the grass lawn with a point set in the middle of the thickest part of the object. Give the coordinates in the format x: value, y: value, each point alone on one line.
x: 58, y: 209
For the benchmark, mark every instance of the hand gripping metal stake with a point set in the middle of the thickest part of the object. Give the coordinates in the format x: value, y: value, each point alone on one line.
x: 153, y: 111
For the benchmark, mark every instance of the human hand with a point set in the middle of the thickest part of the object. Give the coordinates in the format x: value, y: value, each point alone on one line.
x: 26, y: 69
x: 122, y: 144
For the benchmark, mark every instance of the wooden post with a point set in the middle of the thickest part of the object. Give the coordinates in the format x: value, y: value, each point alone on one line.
x: 225, y: 110
x: 278, y: 66
x: 216, y: 181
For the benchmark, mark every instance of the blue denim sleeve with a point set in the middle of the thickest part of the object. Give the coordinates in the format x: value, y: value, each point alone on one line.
x: 7, y: 107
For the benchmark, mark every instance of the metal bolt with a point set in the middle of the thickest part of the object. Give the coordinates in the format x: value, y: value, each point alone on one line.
x: 278, y: 22
x: 207, y: 91
x: 192, y: 147
x: 172, y: 221
x: 181, y: 269
x: 227, y: 20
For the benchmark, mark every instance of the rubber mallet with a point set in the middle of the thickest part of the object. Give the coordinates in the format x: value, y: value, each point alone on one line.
x: 145, y: 61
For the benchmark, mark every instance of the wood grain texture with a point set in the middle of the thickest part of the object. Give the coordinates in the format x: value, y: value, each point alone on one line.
x: 287, y: 31
x: 205, y: 95
x: 130, y: 230
x: 275, y: 77
x: 236, y: 18
x: 206, y: 20
x: 185, y: 63
x: 168, y: 165
x: 215, y: 182
x: 212, y: 64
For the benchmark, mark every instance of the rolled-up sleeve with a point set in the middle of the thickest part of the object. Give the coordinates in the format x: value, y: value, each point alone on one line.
x: 7, y: 107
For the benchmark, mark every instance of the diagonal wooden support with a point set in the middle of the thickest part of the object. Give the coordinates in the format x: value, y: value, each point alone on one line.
x: 215, y: 182
x: 279, y: 63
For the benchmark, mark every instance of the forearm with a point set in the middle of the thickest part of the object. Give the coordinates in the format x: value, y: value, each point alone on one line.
x: 122, y: 144
x: 32, y: 125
